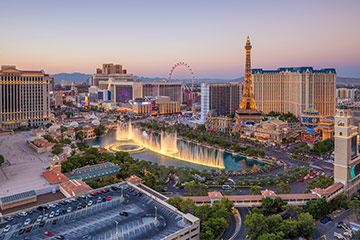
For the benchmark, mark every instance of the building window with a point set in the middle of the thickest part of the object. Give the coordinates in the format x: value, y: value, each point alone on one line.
x: 340, y: 134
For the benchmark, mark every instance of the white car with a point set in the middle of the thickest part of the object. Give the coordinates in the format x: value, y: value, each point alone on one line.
x: 69, y: 210
x: 7, y: 228
x: 27, y: 222
x: 52, y: 205
x: 46, y: 216
x: 39, y: 218
x: 90, y: 203
x: 23, y: 214
x: 52, y: 214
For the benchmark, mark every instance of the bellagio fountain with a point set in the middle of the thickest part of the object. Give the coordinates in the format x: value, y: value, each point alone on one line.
x: 133, y: 139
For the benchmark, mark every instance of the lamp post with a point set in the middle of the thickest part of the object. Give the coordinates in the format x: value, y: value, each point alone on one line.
x: 117, y: 228
x: 155, y: 213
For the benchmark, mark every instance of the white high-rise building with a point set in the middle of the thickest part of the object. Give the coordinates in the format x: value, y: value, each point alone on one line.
x: 204, y: 101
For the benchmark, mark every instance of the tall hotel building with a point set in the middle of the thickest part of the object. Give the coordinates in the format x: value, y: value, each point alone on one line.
x: 115, y: 72
x: 24, y: 98
x: 170, y: 89
x: 222, y: 98
x: 295, y: 89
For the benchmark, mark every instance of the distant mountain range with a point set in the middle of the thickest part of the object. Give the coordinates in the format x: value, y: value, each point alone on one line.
x: 82, y: 77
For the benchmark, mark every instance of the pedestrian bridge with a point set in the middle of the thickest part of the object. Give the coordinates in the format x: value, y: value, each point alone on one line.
x: 255, y: 200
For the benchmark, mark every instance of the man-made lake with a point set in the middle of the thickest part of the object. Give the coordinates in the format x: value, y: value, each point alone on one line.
x: 193, y: 155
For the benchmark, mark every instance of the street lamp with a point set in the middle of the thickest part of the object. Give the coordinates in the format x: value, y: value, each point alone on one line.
x: 117, y: 228
x: 155, y: 213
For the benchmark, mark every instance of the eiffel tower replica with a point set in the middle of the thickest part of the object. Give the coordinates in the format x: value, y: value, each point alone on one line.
x: 247, y: 111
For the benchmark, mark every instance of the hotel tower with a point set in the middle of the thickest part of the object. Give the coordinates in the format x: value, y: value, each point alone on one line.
x: 24, y: 98
x: 295, y: 89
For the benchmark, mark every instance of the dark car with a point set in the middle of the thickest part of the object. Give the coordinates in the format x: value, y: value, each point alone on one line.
x: 54, y: 221
x: 9, y: 218
x: 60, y: 237
x: 30, y: 212
x: 124, y: 214
x: 42, y: 223
x: 21, y: 231
x: 340, y: 224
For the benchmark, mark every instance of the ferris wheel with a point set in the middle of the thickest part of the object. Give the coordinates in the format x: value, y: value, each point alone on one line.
x: 187, y: 67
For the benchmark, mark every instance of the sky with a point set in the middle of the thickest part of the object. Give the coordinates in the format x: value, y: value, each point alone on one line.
x: 149, y: 37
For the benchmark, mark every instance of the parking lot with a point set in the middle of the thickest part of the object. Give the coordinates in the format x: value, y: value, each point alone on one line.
x: 120, y: 213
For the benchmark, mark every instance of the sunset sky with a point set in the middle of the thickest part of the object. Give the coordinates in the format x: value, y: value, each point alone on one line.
x: 148, y: 37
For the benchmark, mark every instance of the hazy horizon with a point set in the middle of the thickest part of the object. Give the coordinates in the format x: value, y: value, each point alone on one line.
x: 149, y: 37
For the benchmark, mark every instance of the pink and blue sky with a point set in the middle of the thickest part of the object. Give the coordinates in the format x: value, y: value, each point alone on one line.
x: 148, y: 37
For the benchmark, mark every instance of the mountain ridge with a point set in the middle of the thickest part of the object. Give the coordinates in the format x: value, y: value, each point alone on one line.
x: 82, y: 77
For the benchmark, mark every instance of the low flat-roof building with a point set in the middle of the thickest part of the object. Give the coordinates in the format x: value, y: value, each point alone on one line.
x: 94, y: 172
x: 17, y: 199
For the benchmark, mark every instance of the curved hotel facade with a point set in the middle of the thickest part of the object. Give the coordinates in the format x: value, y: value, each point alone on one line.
x: 295, y: 89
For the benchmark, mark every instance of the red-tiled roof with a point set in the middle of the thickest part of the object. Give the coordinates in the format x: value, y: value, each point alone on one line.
x: 328, y: 190
x: 54, y: 176
x: 245, y: 197
x: 198, y: 198
x: 74, y: 186
x: 215, y: 194
x: 133, y: 179
x: 268, y: 193
x: 298, y: 196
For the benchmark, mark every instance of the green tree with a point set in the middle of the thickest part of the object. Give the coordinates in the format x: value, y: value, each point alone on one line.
x: 306, y: 224
x: 82, y: 146
x: 322, y: 182
x: 150, y: 180
x: 283, y: 188
x: 57, y: 149
x: 255, y: 190
x: 2, y: 159
x: 354, y: 207
x: 187, y: 206
x: 256, y: 225
x: 317, y: 208
x: 175, y: 201
x: 79, y: 135
x: 100, y: 130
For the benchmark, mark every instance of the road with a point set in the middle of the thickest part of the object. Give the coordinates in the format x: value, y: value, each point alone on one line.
x: 243, y: 211
x: 329, y: 228
x: 229, y: 232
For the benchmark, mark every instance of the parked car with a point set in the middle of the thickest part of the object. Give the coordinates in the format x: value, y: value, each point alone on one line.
x: 108, y: 198
x: 23, y: 214
x: 9, y: 218
x: 90, y: 203
x: 48, y: 233
x: 42, y: 223
x: 39, y: 218
x: 325, y: 219
x: 225, y: 187
x: 28, y: 229
x: 27, y: 222
x: 69, y: 209
x: 52, y: 214
x: 21, y: 231
x: 57, y: 213
x: 124, y: 214
x: 7, y: 228
x: 46, y: 216
x: 54, y: 221
x: 340, y: 224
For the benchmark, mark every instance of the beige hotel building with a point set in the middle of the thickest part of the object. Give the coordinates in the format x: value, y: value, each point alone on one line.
x: 24, y: 98
x: 295, y: 89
